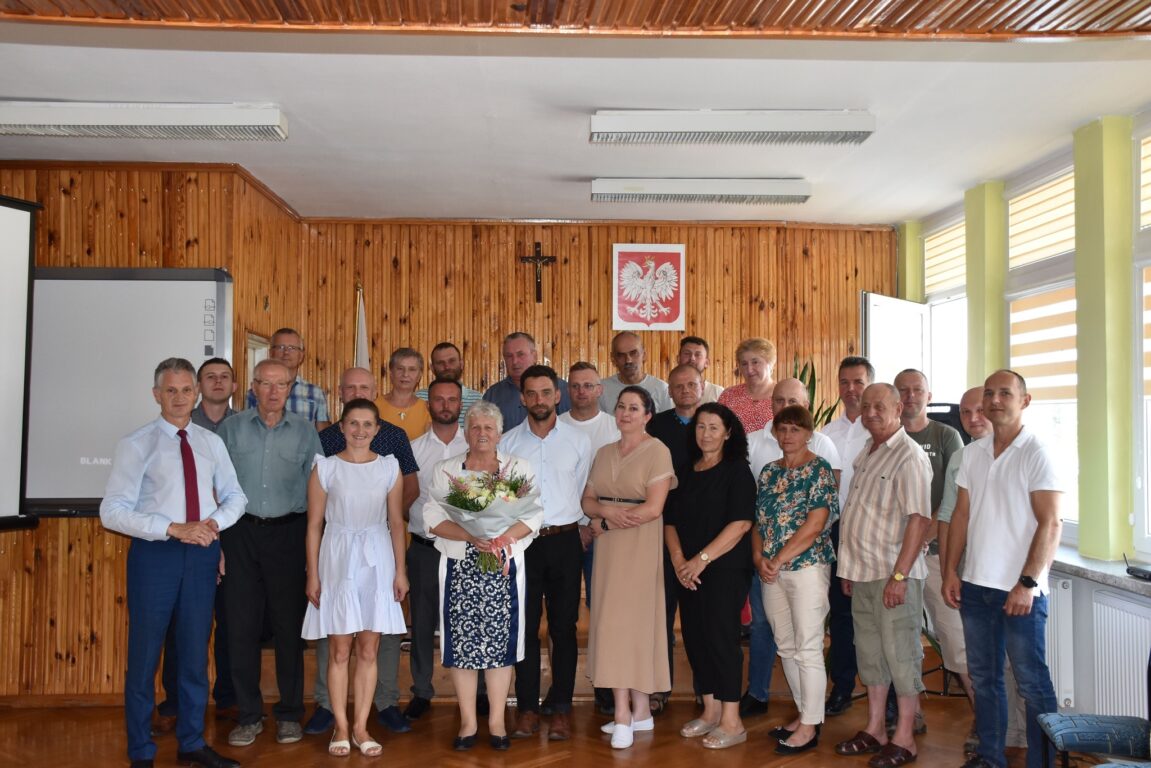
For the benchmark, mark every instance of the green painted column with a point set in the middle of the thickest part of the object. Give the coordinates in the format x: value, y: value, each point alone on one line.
x: 1104, y: 272
x: 909, y: 262
x: 985, y: 216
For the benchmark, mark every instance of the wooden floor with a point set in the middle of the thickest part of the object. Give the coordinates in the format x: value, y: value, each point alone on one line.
x: 93, y: 737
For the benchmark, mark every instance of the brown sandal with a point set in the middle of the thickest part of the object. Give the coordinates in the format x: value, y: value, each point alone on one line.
x: 891, y: 756
x: 859, y: 744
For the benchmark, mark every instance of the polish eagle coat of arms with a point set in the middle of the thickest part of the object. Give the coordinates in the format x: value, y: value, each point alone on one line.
x: 646, y: 292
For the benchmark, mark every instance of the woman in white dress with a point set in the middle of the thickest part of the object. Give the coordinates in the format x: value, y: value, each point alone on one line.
x: 356, y: 568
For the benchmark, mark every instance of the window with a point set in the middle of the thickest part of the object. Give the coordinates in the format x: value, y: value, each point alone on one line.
x: 944, y: 278
x: 1041, y: 319
x: 1145, y: 183
x: 1143, y: 470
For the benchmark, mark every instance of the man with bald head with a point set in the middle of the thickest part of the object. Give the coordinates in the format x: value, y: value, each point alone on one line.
x: 628, y: 354
x: 762, y: 448
x: 389, y: 441
x: 881, y: 564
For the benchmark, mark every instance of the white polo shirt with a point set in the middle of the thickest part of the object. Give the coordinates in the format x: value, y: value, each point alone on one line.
x: 849, y: 438
x: 1001, y: 523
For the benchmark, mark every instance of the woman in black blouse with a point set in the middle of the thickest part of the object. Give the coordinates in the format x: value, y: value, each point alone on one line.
x: 706, y: 528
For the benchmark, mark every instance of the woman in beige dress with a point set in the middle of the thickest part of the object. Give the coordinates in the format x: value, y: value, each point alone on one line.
x: 624, y: 497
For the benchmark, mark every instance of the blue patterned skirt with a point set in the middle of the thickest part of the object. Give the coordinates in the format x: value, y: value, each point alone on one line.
x: 481, y: 614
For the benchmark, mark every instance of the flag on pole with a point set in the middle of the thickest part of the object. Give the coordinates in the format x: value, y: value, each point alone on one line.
x: 362, y: 355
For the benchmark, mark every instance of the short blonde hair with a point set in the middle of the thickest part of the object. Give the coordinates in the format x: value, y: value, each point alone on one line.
x: 759, y: 346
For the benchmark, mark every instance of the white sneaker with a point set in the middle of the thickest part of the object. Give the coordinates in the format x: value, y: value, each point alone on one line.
x: 636, y: 726
x: 621, y: 737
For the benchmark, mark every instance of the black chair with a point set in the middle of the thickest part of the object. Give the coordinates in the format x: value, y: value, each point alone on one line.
x: 1120, y: 736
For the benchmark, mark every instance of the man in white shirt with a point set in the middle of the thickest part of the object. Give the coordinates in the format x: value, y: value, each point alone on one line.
x: 628, y: 354
x: 561, y: 457
x: 444, y: 440
x: 849, y: 436
x: 695, y: 351
x: 1006, y: 529
x: 585, y: 387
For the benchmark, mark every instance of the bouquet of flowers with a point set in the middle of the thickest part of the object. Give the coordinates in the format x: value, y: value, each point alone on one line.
x: 485, y: 505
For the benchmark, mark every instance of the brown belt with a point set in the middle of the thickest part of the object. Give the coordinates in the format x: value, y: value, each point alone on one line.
x: 549, y: 530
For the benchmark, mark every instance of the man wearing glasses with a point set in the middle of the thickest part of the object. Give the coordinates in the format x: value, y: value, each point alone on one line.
x: 272, y: 450
x: 304, y: 397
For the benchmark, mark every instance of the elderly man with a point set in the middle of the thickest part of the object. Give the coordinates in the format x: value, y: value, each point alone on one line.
x: 520, y: 353
x: 447, y: 364
x: 694, y: 351
x: 273, y: 450
x: 358, y: 383
x: 849, y: 436
x: 172, y: 489
x: 628, y: 355
x: 762, y: 448
x: 685, y: 384
x: 562, y: 456
x: 881, y: 564
x: 304, y: 398
x: 1006, y: 522
x: 444, y: 440
x: 217, y: 384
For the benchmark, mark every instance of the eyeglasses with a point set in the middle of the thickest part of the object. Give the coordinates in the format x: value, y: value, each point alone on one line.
x: 279, y: 386
x: 287, y: 348
x: 588, y: 387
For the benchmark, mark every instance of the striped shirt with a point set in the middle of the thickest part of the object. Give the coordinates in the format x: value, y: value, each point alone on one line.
x: 305, y: 399
x: 890, y: 484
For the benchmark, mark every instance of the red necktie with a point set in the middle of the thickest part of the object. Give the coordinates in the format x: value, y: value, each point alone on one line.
x: 191, y: 489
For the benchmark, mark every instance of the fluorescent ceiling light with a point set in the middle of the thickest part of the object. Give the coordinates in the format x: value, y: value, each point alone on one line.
x: 125, y: 120
x: 739, y: 191
x: 831, y: 126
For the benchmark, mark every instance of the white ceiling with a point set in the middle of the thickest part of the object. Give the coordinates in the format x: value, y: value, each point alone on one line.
x: 488, y: 127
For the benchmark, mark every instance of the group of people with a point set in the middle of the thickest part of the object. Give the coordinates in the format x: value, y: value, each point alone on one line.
x: 662, y: 496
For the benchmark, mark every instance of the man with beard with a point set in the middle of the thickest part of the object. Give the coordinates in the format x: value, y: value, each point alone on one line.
x: 561, y: 456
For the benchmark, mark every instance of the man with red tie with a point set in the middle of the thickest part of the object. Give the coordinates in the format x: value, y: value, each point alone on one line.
x: 172, y: 489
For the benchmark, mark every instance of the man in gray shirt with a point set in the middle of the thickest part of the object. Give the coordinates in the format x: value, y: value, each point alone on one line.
x: 628, y: 355
x: 272, y: 451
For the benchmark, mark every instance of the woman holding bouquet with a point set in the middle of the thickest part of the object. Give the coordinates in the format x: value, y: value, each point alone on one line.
x: 481, y: 606
x: 356, y: 568
x: 625, y: 493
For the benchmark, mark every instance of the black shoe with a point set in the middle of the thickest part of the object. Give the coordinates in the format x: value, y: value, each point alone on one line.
x: 464, y: 743
x: 837, y: 704
x: 417, y: 707
x: 782, y: 748
x: 392, y: 719
x: 975, y: 761
x: 780, y: 733
x: 500, y: 743
x: 604, y: 702
x: 141, y: 764
x: 206, y: 757
x: 749, y: 705
x: 483, y: 708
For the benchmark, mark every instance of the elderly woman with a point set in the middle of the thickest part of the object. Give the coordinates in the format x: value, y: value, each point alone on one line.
x: 706, y: 526
x: 751, y: 400
x: 627, y: 638
x: 793, y: 556
x: 356, y: 574
x: 481, y: 611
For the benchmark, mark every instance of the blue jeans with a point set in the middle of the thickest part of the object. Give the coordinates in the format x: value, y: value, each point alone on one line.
x: 761, y: 647
x: 991, y: 637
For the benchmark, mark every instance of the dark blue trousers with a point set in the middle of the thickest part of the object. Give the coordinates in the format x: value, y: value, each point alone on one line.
x: 168, y: 583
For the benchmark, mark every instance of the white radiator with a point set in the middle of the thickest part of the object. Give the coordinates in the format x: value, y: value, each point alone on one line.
x: 1122, y: 639
x: 1061, y: 641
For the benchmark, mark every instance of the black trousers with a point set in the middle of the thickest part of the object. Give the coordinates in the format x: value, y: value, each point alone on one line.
x: 553, y: 574
x: 841, y: 666
x: 709, y: 618
x: 424, y: 607
x: 266, y: 574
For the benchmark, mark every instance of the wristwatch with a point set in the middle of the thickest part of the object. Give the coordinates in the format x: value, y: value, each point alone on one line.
x: 899, y: 577
x: 704, y: 557
x: 1028, y: 582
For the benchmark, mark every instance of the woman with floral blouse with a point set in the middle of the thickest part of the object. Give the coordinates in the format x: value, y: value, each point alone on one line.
x: 792, y: 554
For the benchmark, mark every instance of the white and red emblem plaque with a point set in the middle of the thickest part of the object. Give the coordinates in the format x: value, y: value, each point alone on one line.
x: 648, y: 288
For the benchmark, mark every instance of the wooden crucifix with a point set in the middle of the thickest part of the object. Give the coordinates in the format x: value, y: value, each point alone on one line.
x: 540, y: 261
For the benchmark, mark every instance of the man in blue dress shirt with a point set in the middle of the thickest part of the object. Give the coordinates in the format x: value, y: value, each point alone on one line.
x: 172, y: 489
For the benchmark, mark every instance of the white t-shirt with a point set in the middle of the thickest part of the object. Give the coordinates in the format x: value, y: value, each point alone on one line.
x: 1002, y: 523
x: 600, y: 429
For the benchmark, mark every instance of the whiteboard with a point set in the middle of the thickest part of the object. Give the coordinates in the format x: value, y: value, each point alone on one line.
x: 97, y: 336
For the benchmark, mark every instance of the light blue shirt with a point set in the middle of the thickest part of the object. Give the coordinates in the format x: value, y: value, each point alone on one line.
x: 273, y: 464
x: 145, y: 492
x: 561, y: 461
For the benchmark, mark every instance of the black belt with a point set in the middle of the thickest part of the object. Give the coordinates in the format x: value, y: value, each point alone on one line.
x: 417, y: 539
x: 551, y: 530
x: 291, y: 517
x: 622, y: 501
